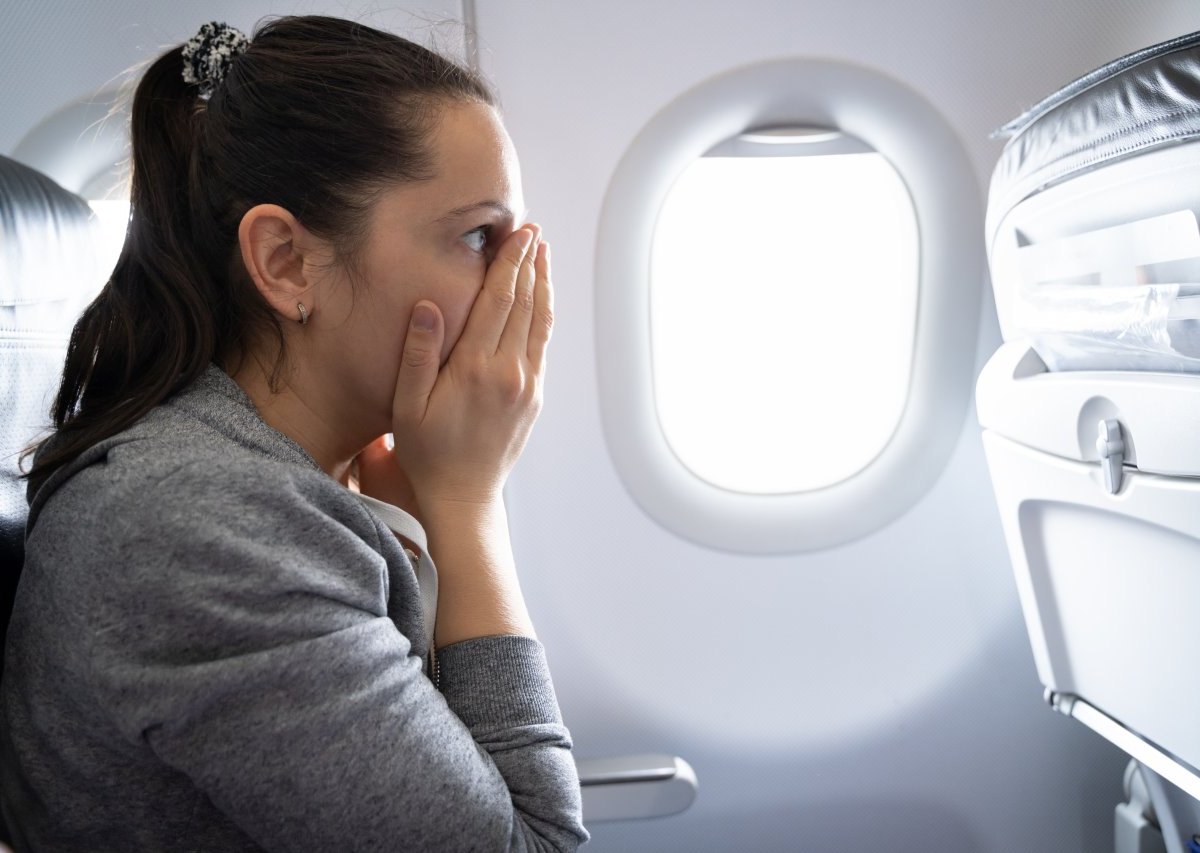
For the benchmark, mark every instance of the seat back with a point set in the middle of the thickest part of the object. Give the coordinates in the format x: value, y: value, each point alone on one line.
x: 52, y: 264
x: 1092, y: 406
x: 49, y: 270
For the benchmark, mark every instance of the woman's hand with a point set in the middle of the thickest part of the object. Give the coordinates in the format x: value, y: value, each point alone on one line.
x: 460, y: 429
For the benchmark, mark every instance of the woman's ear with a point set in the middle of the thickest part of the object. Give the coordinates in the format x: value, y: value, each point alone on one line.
x: 274, y: 246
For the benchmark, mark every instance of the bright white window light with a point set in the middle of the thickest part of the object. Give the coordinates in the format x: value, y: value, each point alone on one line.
x: 783, y: 304
x: 113, y: 216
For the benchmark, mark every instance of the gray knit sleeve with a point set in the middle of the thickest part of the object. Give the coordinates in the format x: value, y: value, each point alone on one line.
x: 249, y: 646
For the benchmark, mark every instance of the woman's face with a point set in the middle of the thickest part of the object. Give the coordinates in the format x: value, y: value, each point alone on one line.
x: 429, y: 240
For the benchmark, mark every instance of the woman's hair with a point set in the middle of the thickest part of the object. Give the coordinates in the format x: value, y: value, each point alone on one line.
x: 319, y: 115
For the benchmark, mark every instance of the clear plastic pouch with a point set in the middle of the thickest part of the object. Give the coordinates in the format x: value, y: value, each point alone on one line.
x: 1152, y: 327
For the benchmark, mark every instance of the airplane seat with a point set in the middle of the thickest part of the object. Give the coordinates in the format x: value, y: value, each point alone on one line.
x: 1091, y: 410
x: 49, y: 270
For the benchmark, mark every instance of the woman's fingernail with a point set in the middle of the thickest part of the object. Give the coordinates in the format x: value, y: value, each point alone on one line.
x: 422, y: 318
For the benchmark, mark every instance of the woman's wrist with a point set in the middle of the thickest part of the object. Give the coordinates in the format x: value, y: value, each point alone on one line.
x: 479, y: 594
x: 460, y: 502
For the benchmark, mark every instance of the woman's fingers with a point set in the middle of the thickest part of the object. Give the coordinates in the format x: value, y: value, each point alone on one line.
x: 419, y: 364
x: 543, y: 309
x: 489, y: 315
x: 514, y: 341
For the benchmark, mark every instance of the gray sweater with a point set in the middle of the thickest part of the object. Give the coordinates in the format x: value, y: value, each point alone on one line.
x: 215, y: 646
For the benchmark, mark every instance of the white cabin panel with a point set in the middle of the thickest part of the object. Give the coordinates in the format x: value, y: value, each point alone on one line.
x: 879, y: 693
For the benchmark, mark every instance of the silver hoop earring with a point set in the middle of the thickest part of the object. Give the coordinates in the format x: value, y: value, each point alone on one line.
x: 303, y: 314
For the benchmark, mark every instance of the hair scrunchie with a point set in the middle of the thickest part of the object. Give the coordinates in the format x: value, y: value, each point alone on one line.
x: 208, y: 55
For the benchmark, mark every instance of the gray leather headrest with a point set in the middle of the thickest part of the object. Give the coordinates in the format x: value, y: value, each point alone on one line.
x: 1134, y: 104
x: 48, y: 250
x: 48, y: 273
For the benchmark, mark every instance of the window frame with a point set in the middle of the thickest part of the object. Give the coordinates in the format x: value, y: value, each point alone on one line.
x: 908, y: 131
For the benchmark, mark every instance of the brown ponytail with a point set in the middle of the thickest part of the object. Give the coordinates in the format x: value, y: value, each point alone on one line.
x: 316, y: 116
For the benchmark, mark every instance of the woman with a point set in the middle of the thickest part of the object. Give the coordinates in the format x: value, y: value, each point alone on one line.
x: 217, y: 644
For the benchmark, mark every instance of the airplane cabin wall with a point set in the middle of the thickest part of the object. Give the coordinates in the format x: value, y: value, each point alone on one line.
x: 53, y: 53
x: 876, y: 695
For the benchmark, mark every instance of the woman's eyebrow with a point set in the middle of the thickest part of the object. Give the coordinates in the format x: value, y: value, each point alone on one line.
x: 497, y: 206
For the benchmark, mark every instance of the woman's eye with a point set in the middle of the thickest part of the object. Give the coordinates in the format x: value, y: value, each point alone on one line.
x: 477, y: 238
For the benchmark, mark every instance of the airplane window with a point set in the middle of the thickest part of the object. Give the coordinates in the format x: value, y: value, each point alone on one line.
x: 783, y: 306
x: 767, y: 379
